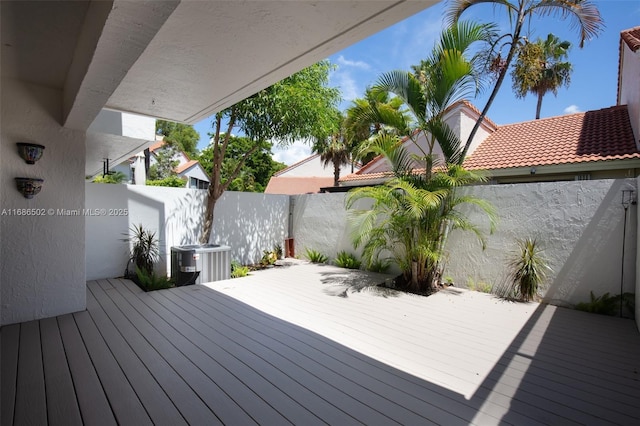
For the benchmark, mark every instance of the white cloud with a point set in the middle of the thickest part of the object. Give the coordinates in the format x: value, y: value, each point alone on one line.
x: 356, y: 64
x: 291, y: 154
x: 347, y: 85
x: 572, y: 109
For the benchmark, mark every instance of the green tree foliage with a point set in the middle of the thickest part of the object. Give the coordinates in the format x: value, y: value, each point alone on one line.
x: 335, y: 149
x: 166, y: 163
x: 299, y: 107
x: 258, y: 167
x: 585, y: 19
x: 173, y: 181
x: 540, y: 69
x: 409, y: 216
x: 445, y: 77
x: 412, y: 213
x: 183, y: 136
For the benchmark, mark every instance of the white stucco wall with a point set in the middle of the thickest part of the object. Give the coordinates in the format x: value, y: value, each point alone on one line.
x: 630, y: 87
x: 249, y: 223
x: 579, y: 224
x: 42, y: 257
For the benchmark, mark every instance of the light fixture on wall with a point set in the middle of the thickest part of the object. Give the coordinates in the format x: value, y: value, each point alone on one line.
x: 533, y: 170
x: 29, y: 186
x: 30, y: 152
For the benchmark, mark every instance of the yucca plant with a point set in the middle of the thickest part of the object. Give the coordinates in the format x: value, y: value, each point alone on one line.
x: 144, y: 250
x: 528, y: 269
x: 347, y: 260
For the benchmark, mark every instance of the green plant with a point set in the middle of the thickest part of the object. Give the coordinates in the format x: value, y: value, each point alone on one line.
x: 607, y: 304
x: 116, y: 177
x: 484, y: 287
x: 277, y: 249
x: 315, y: 256
x: 144, y: 250
x: 149, y: 281
x: 347, y: 260
x: 170, y: 181
x: 238, y: 270
x: 528, y: 269
x: 268, y: 258
x: 377, y: 265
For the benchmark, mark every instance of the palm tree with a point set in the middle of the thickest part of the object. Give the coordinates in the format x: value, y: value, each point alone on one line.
x: 444, y: 78
x: 410, y: 215
x: 334, y: 149
x: 586, y: 19
x: 539, y: 69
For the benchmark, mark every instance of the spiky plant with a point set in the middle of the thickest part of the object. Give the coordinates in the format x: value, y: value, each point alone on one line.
x: 528, y: 269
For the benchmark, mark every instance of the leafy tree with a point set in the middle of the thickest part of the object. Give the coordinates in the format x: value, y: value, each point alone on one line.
x: 299, y: 107
x: 258, y: 167
x: 184, y: 136
x: 584, y: 14
x: 171, y: 181
x: 165, y: 162
x: 539, y: 68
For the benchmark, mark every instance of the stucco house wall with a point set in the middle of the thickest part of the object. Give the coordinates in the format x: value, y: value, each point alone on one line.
x: 42, y: 257
x: 247, y: 222
x: 629, y: 86
x: 312, y: 166
x: 579, y: 224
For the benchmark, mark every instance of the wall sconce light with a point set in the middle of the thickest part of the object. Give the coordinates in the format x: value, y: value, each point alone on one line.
x: 533, y: 170
x: 29, y: 186
x: 30, y: 152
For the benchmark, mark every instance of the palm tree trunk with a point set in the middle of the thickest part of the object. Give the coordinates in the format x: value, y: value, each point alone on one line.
x: 336, y: 173
x: 539, y: 106
x: 496, y: 88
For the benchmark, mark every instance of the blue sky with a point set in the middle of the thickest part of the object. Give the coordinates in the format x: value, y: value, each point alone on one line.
x: 593, y: 81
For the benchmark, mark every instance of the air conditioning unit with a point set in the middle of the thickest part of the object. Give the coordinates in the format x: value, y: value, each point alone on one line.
x: 202, y: 263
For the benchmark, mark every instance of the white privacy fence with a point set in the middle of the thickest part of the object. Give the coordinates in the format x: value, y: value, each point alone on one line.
x: 580, y: 225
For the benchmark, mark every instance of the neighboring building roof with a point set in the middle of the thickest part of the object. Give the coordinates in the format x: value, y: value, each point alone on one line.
x: 185, y: 166
x: 632, y: 38
x: 157, y: 145
x: 591, y: 136
x: 298, y: 164
x: 296, y: 185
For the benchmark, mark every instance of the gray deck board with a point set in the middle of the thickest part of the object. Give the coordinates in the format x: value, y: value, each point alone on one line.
x: 30, y: 406
x: 61, y: 410
x: 306, y: 346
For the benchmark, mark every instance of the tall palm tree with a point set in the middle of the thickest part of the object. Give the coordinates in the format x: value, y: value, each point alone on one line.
x: 540, y: 69
x: 334, y: 149
x: 447, y: 76
x: 584, y: 14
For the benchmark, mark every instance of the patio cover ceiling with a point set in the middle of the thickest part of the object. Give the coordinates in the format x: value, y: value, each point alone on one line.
x: 177, y: 60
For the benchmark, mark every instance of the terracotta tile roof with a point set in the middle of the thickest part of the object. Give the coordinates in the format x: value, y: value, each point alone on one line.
x: 632, y: 38
x: 600, y: 135
x: 185, y: 166
x: 156, y: 146
x: 293, y: 185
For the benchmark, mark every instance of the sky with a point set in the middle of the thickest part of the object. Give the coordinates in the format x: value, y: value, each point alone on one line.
x: 593, y: 85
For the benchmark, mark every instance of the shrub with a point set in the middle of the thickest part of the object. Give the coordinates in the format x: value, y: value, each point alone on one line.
x: 607, y: 304
x: 528, y: 269
x: 277, y: 249
x: 315, y: 256
x: 117, y: 177
x: 144, y: 252
x: 238, y: 270
x: 347, y: 260
x: 268, y: 258
x: 171, y: 181
x: 150, y: 281
x: 378, y: 265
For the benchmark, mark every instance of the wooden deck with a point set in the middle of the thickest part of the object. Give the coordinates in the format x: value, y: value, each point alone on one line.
x: 306, y: 345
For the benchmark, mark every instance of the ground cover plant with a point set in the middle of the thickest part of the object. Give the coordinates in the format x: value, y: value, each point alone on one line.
x: 348, y: 260
x: 315, y: 256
